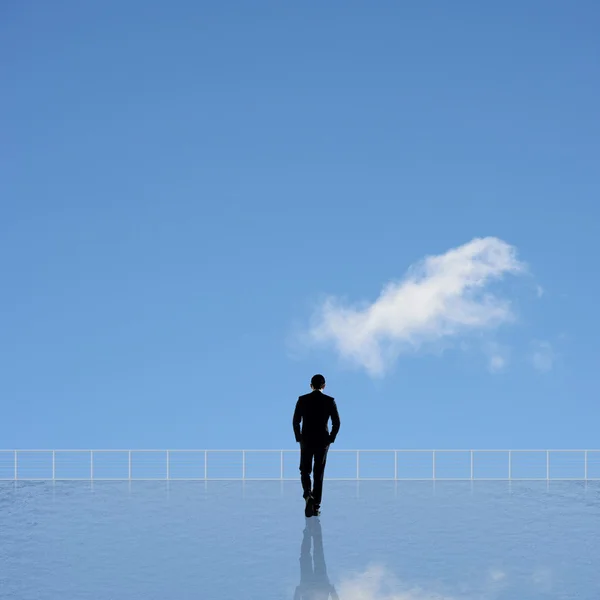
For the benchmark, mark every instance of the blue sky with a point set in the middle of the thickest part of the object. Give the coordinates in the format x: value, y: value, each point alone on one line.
x: 185, y: 184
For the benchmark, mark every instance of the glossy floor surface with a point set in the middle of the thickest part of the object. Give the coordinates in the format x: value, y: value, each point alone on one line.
x: 373, y: 541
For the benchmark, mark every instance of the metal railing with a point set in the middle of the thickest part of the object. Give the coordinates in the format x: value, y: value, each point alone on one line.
x: 342, y: 465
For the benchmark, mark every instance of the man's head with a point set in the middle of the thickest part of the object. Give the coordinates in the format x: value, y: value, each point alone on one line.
x: 317, y: 382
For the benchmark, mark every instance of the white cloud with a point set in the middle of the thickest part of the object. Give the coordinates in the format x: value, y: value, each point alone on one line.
x: 376, y: 583
x: 497, y: 357
x: 441, y: 297
x: 542, y: 355
x: 497, y: 363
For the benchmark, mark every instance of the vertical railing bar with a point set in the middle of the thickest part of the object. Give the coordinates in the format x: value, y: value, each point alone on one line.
x: 433, y: 474
x: 243, y: 464
x: 547, y: 465
x: 471, y: 464
x: 510, y: 465
x: 92, y: 465
x: 168, y: 465
x: 357, y: 464
x: 205, y: 464
x: 129, y: 464
x: 586, y: 465
x: 281, y: 472
x: 16, y: 466
x: 53, y: 465
x: 396, y: 464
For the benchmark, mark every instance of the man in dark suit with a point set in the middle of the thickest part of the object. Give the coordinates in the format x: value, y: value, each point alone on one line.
x: 314, y: 410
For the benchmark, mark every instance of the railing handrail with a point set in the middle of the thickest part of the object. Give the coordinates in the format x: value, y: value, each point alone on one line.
x: 297, y: 449
x: 170, y: 461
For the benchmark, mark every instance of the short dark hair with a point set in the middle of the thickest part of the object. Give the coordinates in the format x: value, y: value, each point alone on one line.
x: 318, y: 381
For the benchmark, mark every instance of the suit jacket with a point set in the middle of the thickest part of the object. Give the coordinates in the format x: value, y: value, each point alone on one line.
x: 314, y: 410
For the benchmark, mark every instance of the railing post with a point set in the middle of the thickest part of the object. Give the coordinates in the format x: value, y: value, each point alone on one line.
x: 205, y: 465
x: 357, y: 464
x: 243, y: 464
x: 168, y: 465
x: 433, y: 474
x: 547, y: 465
x: 16, y: 467
x: 53, y: 465
x: 92, y: 465
x: 586, y: 465
x: 281, y: 475
x: 510, y: 465
x: 396, y: 464
x: 471, y: 465
x: 130, y: 465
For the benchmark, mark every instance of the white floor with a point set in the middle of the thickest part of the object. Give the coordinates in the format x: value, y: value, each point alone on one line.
x: 379, y: 541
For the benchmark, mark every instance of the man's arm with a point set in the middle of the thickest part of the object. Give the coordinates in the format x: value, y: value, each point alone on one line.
x: 296, y: 420
x: 335, y: 421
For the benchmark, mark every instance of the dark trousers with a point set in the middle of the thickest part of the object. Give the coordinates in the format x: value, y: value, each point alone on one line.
x: 310, y: 451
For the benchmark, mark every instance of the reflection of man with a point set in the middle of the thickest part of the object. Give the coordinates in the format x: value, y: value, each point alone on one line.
x: 314, y: 583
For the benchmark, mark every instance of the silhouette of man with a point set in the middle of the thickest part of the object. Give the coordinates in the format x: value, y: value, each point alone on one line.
x: 314, y: 410
x: 314, y: 583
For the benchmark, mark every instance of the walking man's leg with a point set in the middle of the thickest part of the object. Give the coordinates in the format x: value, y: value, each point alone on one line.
x: 320, y: 462
x: 306, y: 459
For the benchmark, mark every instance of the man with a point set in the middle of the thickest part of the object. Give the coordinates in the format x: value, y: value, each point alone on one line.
x: 314, y: 410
